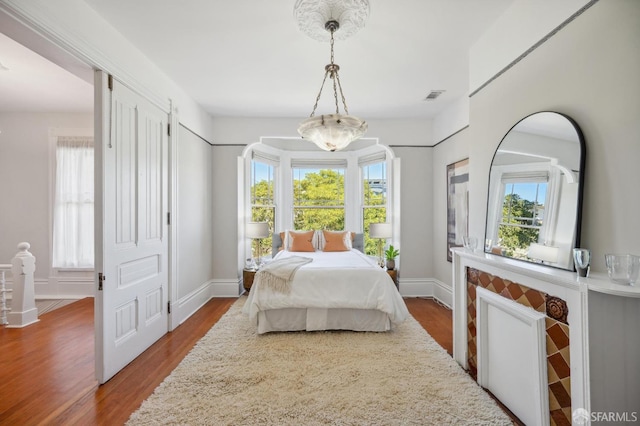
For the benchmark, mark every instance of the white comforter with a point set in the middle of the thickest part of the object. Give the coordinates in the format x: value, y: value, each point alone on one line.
x: 332, y: 280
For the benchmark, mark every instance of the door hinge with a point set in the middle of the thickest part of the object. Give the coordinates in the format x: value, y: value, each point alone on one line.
x: 101, y: 279
x: 168, y: 218
x: 169, y: 307
x: 110, y: 82
x: 168, y: 129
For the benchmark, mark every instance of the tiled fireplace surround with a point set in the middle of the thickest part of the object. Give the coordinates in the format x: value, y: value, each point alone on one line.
x: 557, y: 335
x: 553, y: 295
x: 588, y: 326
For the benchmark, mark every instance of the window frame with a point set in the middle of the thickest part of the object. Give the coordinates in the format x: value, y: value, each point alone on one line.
x: 530, y: 173
x: 285, y: 159
x: 265, y: 243
x: 363, y: 166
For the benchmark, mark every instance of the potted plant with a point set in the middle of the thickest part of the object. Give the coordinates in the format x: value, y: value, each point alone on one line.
x: 391, y: 253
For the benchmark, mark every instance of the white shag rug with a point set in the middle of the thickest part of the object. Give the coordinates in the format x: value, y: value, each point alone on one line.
x: 235, y: 377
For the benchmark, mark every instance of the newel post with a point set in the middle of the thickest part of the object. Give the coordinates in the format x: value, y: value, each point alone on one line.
x: 23, y: 302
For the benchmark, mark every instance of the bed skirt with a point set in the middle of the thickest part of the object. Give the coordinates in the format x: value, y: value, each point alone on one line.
x: 315, y: 319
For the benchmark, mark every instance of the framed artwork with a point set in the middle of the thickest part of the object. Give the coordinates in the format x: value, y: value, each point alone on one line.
x: 457, y: 203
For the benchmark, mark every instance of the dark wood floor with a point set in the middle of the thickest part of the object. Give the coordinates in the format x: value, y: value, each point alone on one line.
x: 47, y: 369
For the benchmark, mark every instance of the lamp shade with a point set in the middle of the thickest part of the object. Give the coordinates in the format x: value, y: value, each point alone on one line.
x: 380, y: 230
x: 257, y: 230
x: 332, y: 132
x: 544, y: 253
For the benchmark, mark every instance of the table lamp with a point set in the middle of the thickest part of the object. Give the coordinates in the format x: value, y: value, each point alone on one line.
x: 257, y: 231
x: 381, y: 231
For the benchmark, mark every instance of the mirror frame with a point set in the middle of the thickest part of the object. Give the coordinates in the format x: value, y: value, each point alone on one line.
x: 580, y: 192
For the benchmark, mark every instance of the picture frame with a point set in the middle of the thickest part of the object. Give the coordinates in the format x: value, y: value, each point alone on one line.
x: 457, y: 204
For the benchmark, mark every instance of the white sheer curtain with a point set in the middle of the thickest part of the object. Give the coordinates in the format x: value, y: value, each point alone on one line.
x: 73, y: 210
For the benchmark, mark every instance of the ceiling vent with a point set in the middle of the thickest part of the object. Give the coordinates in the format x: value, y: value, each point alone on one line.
x: 433, y: 95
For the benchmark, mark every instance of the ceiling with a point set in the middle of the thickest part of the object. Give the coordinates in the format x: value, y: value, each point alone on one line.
x: 249, y: 59
x: 31, y: 83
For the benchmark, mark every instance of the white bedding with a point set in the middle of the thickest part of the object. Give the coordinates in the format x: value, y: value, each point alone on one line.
x: 348, y: 280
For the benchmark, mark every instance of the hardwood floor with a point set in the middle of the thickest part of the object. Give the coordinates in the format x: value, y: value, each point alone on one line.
x: 435, y: 318
x: 47, y: 369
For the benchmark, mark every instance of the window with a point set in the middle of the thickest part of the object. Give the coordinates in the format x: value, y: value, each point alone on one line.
x: 263, y: 206
x: 523, y: 212
x: 374, y: 193
x: 302, y: 190
x: 73, y: 207
x: 318, y: 198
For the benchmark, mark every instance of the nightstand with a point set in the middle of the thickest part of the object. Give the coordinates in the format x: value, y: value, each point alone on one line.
x: 247, y: 278
x: 393, y: 273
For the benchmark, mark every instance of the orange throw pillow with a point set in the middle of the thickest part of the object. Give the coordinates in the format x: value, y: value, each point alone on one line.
x: 334, y: 241
x: 301, y: 241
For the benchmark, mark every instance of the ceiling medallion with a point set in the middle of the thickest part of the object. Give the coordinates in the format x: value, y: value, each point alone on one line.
x: 331, y: 132
x: 312, y: 15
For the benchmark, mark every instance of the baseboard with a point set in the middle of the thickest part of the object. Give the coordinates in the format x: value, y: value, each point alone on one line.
x: 226, y: 288
x: 443, y: 293
x: 188, y: 305
x: 61, y: 287
x: 426, y: 287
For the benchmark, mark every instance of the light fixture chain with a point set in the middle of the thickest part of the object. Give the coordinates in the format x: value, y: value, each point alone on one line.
x: 336, y: 79
x: 334, y: 75
x: 332, y: 31
x: 344, y: 101
x: 332, y: 132
x: 326, y: 73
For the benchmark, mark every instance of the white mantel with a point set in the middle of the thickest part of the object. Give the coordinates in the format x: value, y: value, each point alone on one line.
x: 605, y: 365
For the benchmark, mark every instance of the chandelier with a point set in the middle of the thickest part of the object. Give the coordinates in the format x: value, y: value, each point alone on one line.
x: 331, y: 132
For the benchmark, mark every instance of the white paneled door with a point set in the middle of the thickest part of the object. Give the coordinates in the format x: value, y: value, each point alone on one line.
x: 131, y: 225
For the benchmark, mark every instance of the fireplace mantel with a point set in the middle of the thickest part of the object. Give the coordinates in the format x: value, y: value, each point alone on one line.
x: 602, y: 321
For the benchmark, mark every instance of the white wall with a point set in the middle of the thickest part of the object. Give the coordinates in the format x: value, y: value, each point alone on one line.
x: 454, y: 149
x: 225, y: 213
x: 27, y: 161
x: 588, y: 71
x: 194, y: 216
x: 416, y: 212
x: 518, y: 29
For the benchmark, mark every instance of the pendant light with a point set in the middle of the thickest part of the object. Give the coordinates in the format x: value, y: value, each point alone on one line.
x: 332, y: 132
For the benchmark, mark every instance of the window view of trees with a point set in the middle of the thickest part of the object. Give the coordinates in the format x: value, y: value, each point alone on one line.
x: 318, y: 199
x: 522, y: 217
x: 374, y: 191
x: 263, y: 208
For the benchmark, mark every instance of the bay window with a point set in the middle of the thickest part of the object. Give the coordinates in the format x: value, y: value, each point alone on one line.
x: 318, y: 198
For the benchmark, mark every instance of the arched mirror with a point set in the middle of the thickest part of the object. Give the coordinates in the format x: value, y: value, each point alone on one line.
x: 535, y: 191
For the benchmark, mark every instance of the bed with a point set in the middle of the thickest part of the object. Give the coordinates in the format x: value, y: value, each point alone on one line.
x: 334, y: 290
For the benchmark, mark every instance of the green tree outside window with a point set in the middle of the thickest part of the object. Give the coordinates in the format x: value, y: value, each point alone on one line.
x: 318, y: 199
